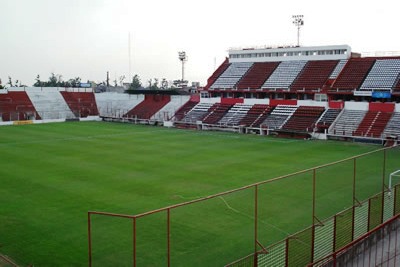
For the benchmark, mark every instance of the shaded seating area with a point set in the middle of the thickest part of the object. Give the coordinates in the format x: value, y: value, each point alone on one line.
x: 216, y: 112
x: 235, y: 115
x: 327, y: 118
x: 255, y: 116
x: 278, y: 116
x: 82, y: 104
x: 148, y: 107
x: 392, y: 128
x: 182, y: 111
x: 257, y: 75
x: 347, y: 122
x: 383, y: 75
x: 167, y: 112
x: 339, y: 67
x: 231, y: 75
x: 396, y: 88
x: 15, y: 106
x: 284, y: 75
x: 50, y: 104
x: 221, y: 69
x: 197, y: 113
x: 373, y: 124
x: 314, y: 75
x: 353, y: 74
x: 303, y: 119
x: 115, y: 105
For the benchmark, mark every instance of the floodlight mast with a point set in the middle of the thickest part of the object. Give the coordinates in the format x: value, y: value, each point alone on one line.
x: 183, y: 59
x: 298, y: 22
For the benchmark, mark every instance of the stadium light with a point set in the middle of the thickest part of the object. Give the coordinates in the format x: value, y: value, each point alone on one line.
x: 183, y: 59
x: 298, y: 22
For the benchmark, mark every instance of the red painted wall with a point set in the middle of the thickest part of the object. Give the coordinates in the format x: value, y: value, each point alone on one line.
x: 383, y: 107
x: 231, y: 101
x: 275, y: 102
x: 195, y: 98
x: 336, y: 104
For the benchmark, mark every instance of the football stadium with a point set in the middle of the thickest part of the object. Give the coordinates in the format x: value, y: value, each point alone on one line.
x: 287, y: 157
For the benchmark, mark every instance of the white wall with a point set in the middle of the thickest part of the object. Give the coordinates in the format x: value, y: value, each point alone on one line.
x: 210, y: 100
x: 356, y: 105
x: 397, y: 108
x: 312, y: 103
x: 252, y: 101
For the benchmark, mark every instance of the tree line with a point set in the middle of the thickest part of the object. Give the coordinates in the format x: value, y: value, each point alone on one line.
x: 56, y: 80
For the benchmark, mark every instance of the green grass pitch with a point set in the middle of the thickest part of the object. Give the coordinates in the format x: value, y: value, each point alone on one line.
x: 52, y: 174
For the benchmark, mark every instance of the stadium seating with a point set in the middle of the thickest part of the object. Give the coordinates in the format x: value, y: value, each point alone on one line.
x: 353, y: 74
x: 327, y: 118
x: 284, y: 75
x: 50, y: 104
x: 278, y: 116
x: 231, y: 75
x: 17, y: 106
x: 339, y: 67
x: 373, y: 124
x: 314, y: 75
x: 197, y: 113
x: 396, y: 88
x: 183, y: 110
x: 112, y: 104
x: 383, y: 75
x: 216, y: 112
x: 217, y: 73
x: 347, y: 122
x: 82, y: 104
x: 255, y: 116
x: 303, y: 119
x: 147, y: 108
x: 257, y: 75
x: 168, y: 111
x: 393, y: 126
x: 235, y: 115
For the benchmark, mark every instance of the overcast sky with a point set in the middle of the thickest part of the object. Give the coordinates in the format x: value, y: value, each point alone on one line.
x: 87, y: 38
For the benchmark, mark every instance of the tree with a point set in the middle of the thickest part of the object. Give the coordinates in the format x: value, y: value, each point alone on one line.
x: 155, y: 85
x: 38, y: 82
x: 121, y: 80
x: 75, y: 82
x: 10, y: 81
x: 136, y: 84
x: 1, y: 86
x: 164, y: 84
x: 53, y: 80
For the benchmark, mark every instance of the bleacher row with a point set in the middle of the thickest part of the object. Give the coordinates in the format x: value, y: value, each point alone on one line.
x: 186, y: 110
x: 297, y: 119
x: 363, y: 74
x: 52, y: 104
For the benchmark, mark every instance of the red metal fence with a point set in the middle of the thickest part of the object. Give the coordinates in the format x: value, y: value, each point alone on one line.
x: 378, y: 247
x: 335, y: 199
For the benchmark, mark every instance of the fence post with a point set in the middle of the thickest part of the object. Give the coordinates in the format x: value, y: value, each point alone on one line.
x: 90, y: 240
x: 255, y: 224
x: 168, y: 237
x: 313, y: 216
x: 354, y: 199
x: 134, y: 240
x: 383, y: 185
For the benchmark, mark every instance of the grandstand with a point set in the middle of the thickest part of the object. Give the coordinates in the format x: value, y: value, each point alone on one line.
x: 327, y: 92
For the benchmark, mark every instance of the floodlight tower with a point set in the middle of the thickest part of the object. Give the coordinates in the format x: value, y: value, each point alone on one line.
x: 183, y: 59
x: 298, y: 22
